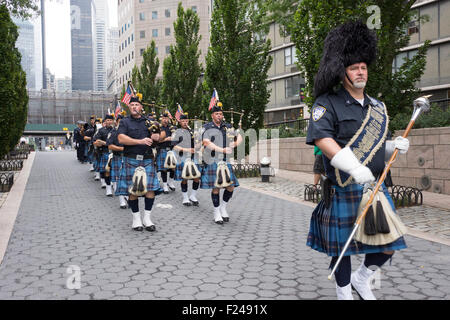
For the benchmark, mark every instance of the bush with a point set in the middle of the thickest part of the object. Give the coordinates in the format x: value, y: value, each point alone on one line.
x: 436, y: 117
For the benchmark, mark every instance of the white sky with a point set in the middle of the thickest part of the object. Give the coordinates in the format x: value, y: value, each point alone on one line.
x: 57, y: 32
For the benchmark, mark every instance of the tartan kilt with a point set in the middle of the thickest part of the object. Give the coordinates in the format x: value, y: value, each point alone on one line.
x: 129, y: 165
x: 160, y: 158
x: 102, y: 162
x: 179, y: 169
x: 209, y: 176
x: 330, y: 228
x: 96, y: 167
x: 116, y: 166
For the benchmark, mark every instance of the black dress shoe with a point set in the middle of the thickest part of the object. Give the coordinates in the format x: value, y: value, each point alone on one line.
x: 173, y: 189
x: 194, y: 203
x: 219, y: 222
x: 123, y: 207
x: 150, y: 228
x: 138, y: 229
x: 166, y: 192
x: 187, y: 204
x: 226, y: 219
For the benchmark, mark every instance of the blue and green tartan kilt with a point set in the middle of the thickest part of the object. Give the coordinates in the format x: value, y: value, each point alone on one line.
x: 129, y: 165
x: 102, y: 162
x: 116, y: 166
x: 209, y: 176
x: 330, y: 228
x: 179, y: 169
x: 160, y: 158
x: 96, y: 167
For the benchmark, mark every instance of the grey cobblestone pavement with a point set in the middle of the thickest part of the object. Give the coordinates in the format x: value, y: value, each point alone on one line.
x: 66, y: 221
x: 423, y: 218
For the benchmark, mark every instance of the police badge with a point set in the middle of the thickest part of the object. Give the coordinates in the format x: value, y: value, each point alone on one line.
x: 318, y: 112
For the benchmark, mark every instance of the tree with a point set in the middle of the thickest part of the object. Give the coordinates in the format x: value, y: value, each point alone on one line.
x: 20, y: 8
x: 13, y: 83
x: 181, y: 69
x: 314, y: 19
x: 147, y: 84
x: 238, y: 59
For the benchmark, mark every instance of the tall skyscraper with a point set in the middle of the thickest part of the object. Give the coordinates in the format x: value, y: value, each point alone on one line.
x: 82, y: 48
x: 25, y: 44
x: 99, y: 36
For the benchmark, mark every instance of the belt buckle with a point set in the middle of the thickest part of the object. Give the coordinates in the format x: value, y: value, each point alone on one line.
x: 139, y: 157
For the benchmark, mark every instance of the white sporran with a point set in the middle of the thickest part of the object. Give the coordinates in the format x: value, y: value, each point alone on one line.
x: 223, y: 176
x: 396, y: 227
x: 139, y: 182
x: 171, y: 161
x: 190, y: 170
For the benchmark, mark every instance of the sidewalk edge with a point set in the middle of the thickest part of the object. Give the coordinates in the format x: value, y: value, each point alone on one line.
x: 10, y: 208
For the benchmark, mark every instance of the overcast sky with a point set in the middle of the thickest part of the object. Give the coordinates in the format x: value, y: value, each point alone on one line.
x: 57, y: 25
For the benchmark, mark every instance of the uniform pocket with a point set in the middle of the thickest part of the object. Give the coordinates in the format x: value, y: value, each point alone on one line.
x: 348, y: 125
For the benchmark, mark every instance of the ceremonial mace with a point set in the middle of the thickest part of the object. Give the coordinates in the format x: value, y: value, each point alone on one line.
x: 420, y: 105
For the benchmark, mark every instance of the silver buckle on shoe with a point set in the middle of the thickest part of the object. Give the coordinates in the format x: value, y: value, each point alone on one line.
x: 139, y: 157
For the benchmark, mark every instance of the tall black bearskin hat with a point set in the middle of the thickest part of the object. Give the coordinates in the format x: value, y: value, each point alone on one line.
x: 347, y: 44
x: 184, y: 116
x: 108, y: 116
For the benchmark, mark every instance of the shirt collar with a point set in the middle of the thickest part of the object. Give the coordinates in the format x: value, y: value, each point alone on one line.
x: 350, y: 100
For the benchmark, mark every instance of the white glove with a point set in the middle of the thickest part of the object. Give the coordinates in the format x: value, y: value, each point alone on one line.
x: 402, y: 144
x: 346, y: 161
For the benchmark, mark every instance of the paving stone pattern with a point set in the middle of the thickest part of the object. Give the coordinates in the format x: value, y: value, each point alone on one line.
x: 65, y: 220
x: 423, y: 218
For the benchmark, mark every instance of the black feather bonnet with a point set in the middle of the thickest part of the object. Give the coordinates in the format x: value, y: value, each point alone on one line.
x: 347, y: 44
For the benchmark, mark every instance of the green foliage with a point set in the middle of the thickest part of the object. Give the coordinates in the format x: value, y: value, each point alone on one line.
x: 436, y: 117
x: 238, y: 60
x: 21, y: 8
x: 13, y: 115
x: 181, y: 68
x: 314, y: 19
x: 144, y: 79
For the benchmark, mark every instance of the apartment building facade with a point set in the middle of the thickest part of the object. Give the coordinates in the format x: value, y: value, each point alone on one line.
x: 141, y: 21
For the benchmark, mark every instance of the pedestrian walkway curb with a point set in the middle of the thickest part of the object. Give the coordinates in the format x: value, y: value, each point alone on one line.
x: 10, y: 208
x: 412, y: 232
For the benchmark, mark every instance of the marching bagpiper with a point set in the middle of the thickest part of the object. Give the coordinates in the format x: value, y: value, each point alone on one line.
x: 165, y: 148
x: 116, y: 162
x: 138, y: 176
x: 217, y: 173
x: 103, y: 153
x: 187, y: 164
x: 351, y: 129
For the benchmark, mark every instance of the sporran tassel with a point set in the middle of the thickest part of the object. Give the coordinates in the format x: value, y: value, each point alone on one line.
x: 381, y: 221
x: 369, y: 222
x: 141, y: 185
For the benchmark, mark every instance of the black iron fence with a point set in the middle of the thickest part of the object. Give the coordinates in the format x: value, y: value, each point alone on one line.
x: 12, y: 162
x: 298, y: 124
x: 401, y: 196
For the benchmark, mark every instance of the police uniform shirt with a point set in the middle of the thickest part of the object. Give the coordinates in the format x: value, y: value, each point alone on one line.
x: 134, y: 128
x: 103, y: 135
x: 218, y: 136
x: 166, y: 144
x: 339, y: 116
x: 179, y: 138
x: 113, y: 139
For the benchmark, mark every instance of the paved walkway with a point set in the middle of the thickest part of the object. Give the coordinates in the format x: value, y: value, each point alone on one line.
x: 66, y: 224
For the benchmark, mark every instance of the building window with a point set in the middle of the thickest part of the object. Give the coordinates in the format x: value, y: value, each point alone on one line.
x: 413, y: 26
x: 132, y: 54
x: 128, y: 40
x: 141, y: 52
x: 141, y: 1
x: 167, y: 13
x: 154, y: 15
x: 167, y: 49
x: 194, y: 8
x: 290, y: 56
x: 142, y: 16
x: 119, y: 49
x: 155, y: 33
x: 132, y: 37
x: 142, y: 34
x: 167, y: 31
x: 125, y: 27
x: 156, y: 50
x: 292, y: 86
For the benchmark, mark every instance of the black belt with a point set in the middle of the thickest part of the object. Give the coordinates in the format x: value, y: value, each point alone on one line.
x: 138, y: 156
